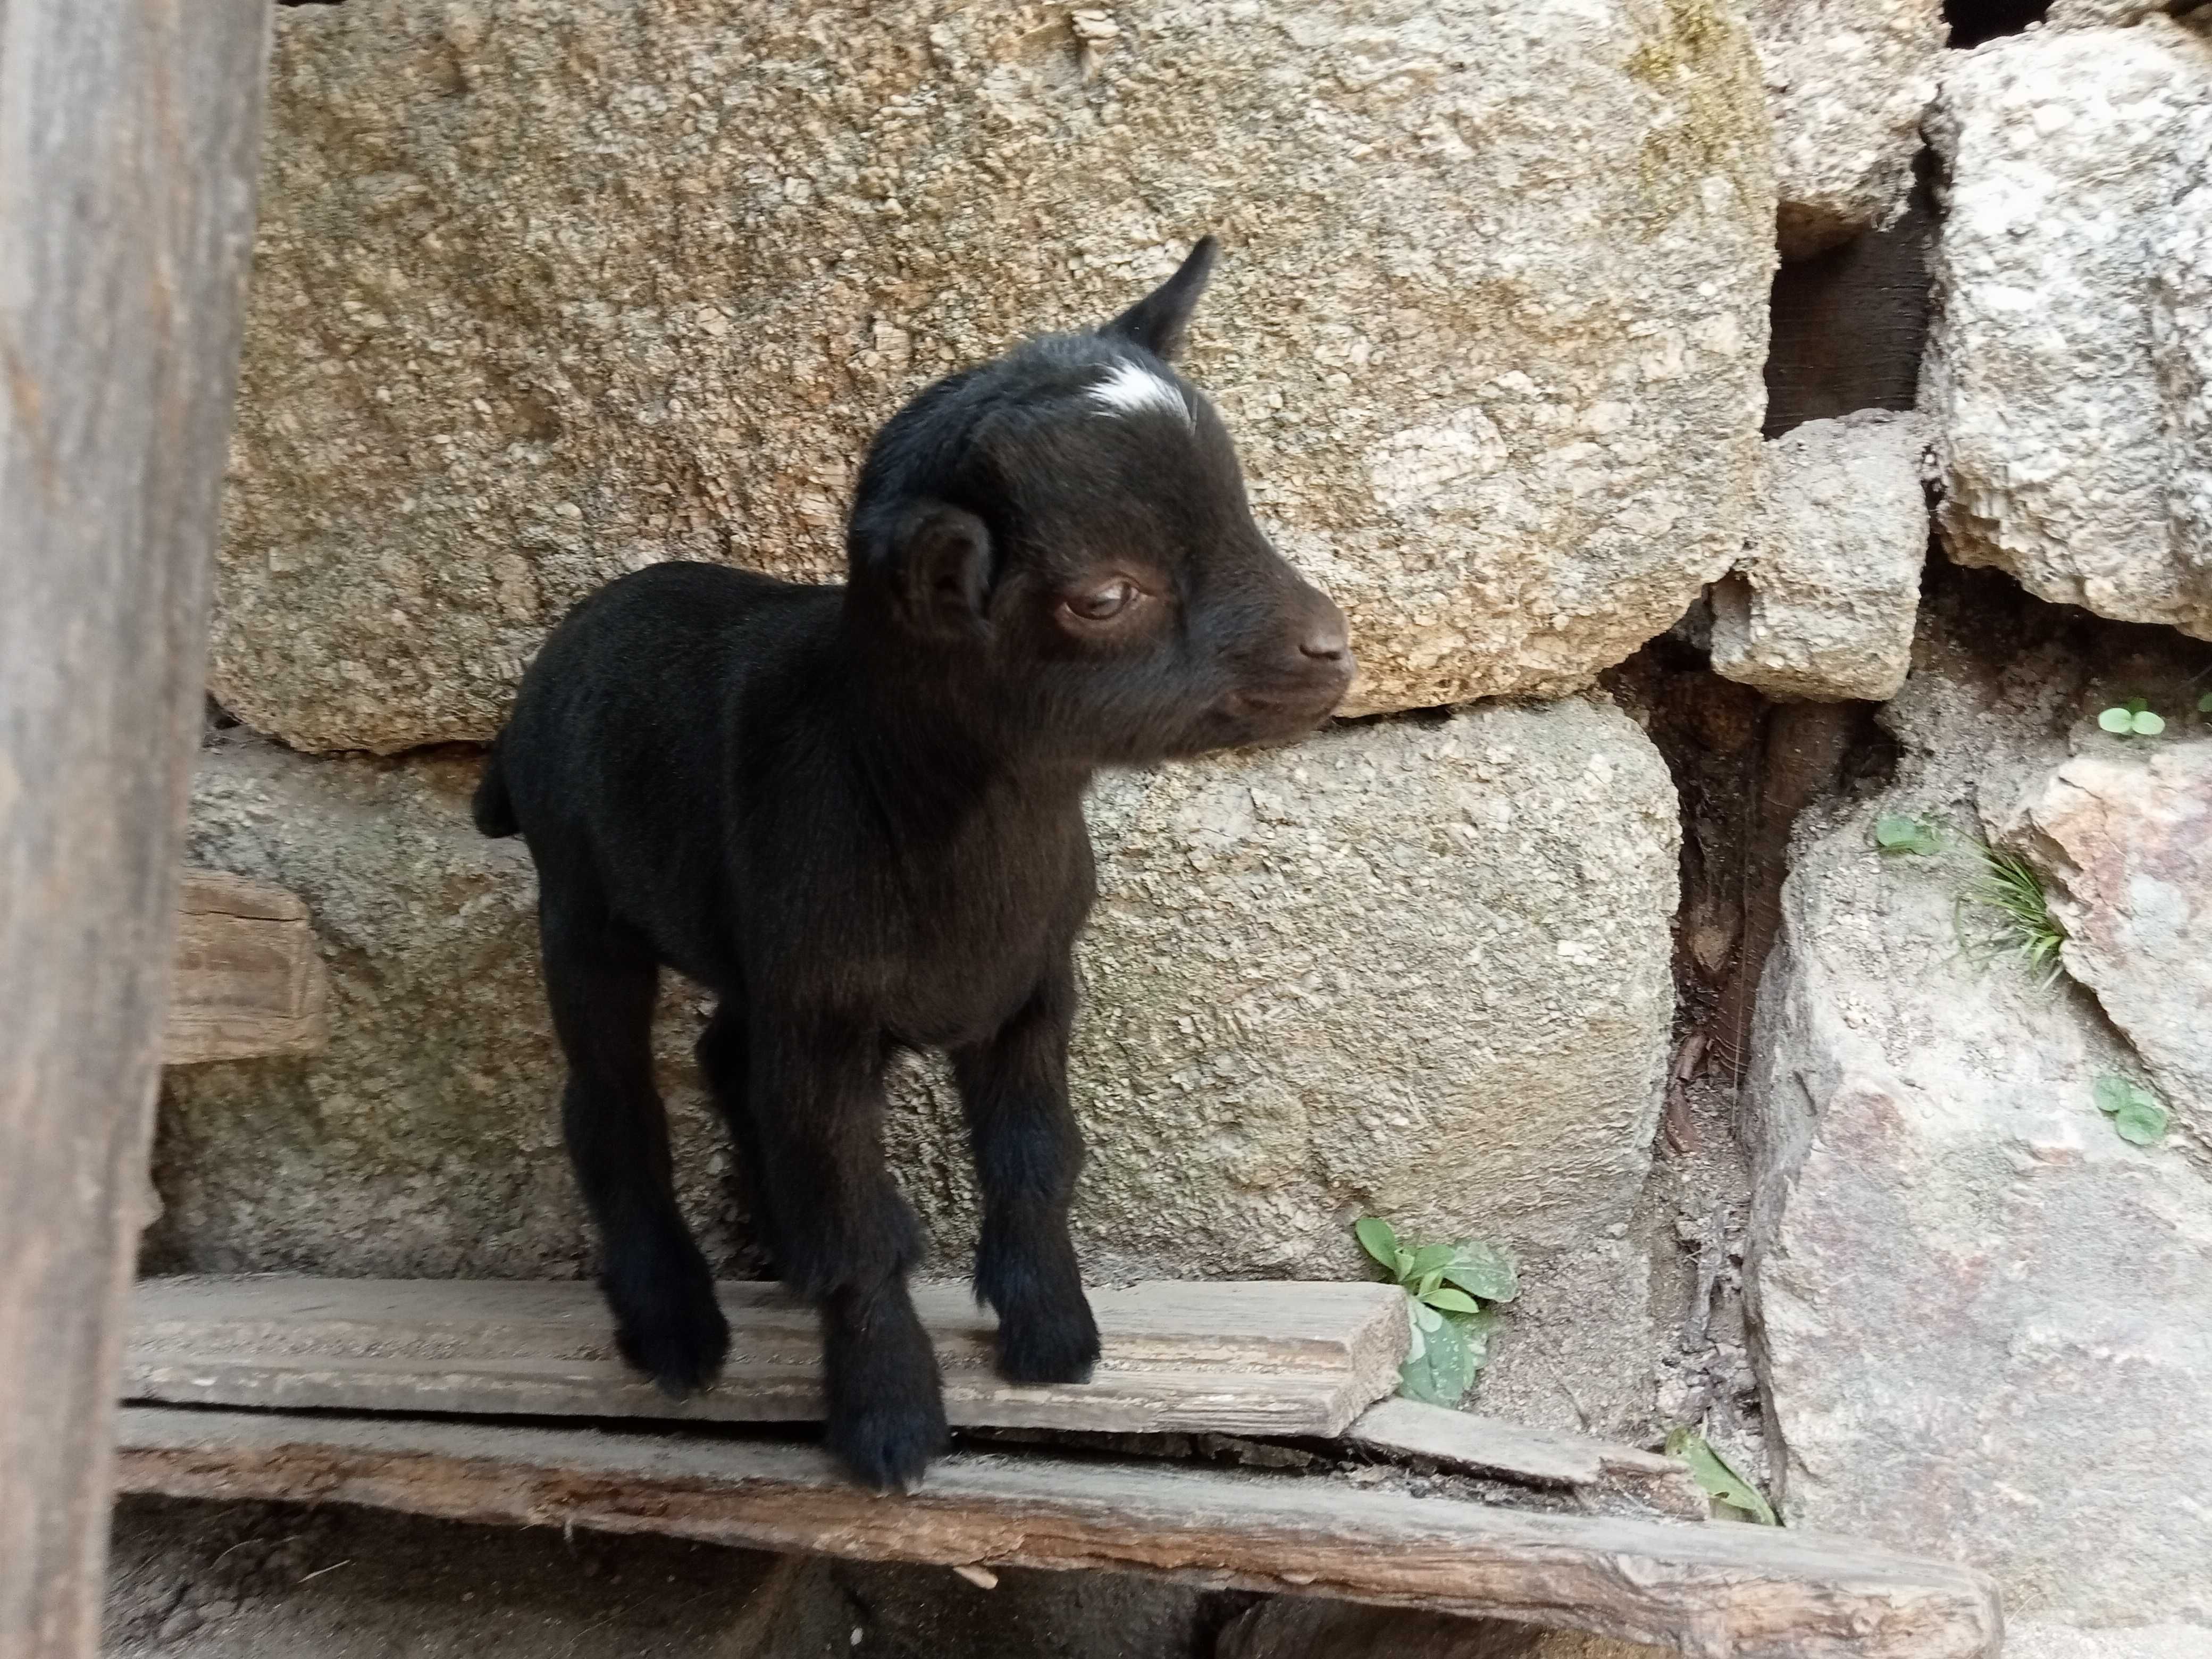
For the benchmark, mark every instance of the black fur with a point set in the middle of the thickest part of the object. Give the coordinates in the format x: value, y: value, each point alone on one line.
x: 855, y: 814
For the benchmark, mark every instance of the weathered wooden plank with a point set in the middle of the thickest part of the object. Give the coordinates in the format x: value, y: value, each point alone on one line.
x: 1717, y: 1592
x: 249, y: 979
x: 129, y: 149
x: 1536, y: 1458
x: 1252, y: 1359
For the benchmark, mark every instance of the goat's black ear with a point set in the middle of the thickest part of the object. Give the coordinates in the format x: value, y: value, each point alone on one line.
x: 943, y: 556
x: 1159, y: 321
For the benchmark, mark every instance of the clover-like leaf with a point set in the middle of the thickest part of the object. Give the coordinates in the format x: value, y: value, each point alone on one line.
x: 1718, y: 1478
x: 2204, y: 703
x: 1445, y: 1368
x: 2141, y: 1122
x: 2138, y: 1116
x: 2145, y: 724
x: 1483, y: 1270
x: 1378, y: 1239
x: 1900, y: 832
x: 2117, y: 720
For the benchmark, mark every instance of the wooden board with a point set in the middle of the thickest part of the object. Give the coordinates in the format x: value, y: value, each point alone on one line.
x: 129, y: 139
x: 1536, y: 1458
x: 1717, y: 1592
x: 249, y: 978
x: 1258, y: 1359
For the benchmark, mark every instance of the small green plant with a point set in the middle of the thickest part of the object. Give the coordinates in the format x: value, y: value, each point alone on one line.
x: 1445, y: 1286
x: 2138, y: 1116
x: 2007, y: 890
x: 1900, y: 832
x: 2205, y: 704
x: 1720, y: 1478
x: 2132, y: 719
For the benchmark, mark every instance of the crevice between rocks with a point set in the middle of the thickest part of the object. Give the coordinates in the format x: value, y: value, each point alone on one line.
x: 1973, y: 21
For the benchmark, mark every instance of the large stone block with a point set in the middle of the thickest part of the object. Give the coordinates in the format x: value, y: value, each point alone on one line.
x: 1420, y: 967
x: 1847, y: 82
x: 1417, y: 969
x: 425, y: 1139
x: 2069, y: 360
x: 549, y: 290
x: 1984, y: 1319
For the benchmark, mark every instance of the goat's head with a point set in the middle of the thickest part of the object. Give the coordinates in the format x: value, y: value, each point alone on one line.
x: 1063, y: 535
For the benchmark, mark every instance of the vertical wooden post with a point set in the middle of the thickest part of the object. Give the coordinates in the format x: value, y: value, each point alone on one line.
x: 130, y: 137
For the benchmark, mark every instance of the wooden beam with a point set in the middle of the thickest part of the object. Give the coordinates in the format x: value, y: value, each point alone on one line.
x: 1271, y: 1357
x: 1715, y: 1590
x: 129, y: 134
x: 249, y: 980
x: 1406, y: 1429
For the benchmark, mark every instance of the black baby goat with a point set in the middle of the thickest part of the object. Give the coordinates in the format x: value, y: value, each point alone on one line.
x: 855, y: 814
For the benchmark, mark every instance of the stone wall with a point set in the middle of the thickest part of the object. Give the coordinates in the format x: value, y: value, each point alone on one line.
x: 549, y: 289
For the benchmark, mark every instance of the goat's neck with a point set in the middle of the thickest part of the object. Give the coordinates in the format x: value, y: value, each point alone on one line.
x: 939, y: 766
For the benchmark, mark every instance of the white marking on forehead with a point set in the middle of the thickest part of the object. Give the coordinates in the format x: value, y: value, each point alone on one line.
x: 1131, y: 388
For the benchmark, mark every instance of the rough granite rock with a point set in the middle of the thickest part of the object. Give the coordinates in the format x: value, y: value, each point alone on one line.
x: 2110, y: 14
x: 1414, y: 967
x: 1983, y: 1319
x: 425, y: 1139
x: 2165, y: 1640
x: 548, y: 291
x: 2069, y: 359
x: 2124, y: 835
x: 1847, y: 82
x: 1822, y: 604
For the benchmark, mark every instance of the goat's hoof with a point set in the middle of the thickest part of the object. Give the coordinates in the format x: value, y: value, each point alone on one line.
x: 1060, y: 1346
x: 890, y: 1447
x: 680, y: 1348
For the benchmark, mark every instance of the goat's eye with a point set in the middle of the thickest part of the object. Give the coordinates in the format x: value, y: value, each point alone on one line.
x: 1102, y: 603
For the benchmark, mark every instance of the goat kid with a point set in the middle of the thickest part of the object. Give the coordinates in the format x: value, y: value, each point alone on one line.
x: 855, y: 814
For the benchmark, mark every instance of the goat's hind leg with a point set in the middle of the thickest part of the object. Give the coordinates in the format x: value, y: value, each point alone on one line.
x: 600, y: 979
x: 721, y: 1053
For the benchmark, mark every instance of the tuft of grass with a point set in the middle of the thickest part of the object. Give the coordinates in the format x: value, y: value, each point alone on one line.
x: 2007, y: 890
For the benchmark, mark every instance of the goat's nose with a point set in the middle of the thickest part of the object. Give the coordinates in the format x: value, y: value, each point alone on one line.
x: 1327, y: 638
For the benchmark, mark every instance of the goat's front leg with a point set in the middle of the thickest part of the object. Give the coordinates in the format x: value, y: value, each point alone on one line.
x: 1028, y: 1154
x: 845, y: 1237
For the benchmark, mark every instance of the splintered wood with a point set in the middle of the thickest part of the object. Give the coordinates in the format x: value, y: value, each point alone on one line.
x: 1717, y: 1591
x: 1269, y: 1359
x: 1406, y: 1429
x: 249, y: 979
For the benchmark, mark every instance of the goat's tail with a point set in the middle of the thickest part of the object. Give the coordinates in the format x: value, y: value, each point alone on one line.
x: 493, y: 808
